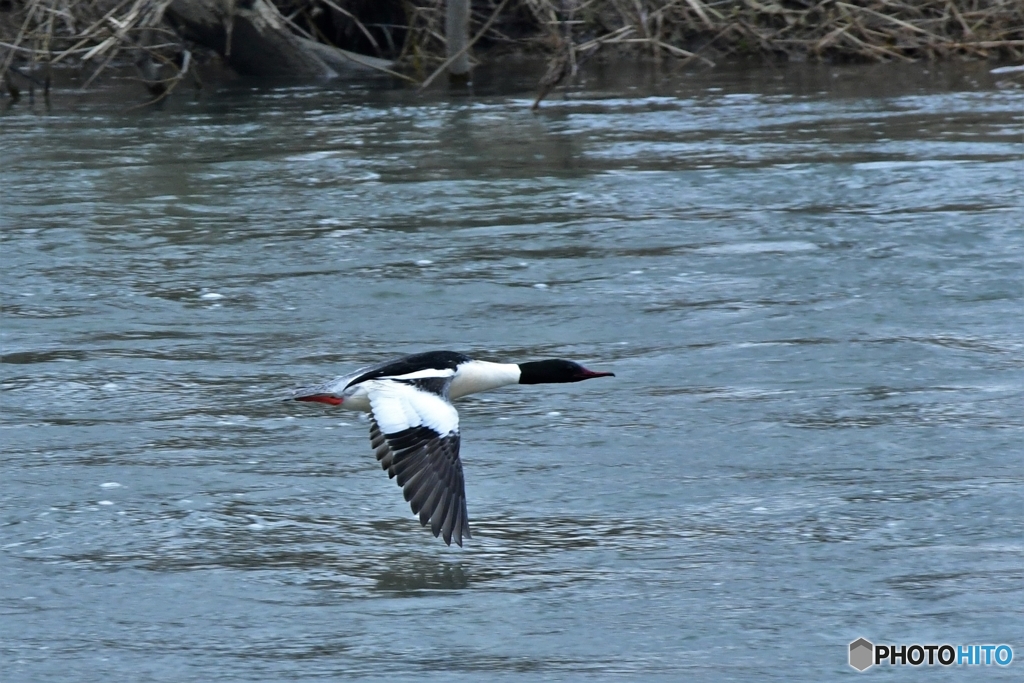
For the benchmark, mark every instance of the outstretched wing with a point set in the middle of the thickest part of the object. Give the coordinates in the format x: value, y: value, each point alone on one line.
x: 415, y: 433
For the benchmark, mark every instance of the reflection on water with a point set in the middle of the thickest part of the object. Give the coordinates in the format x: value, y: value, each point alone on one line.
x: 407, y: 577
x: 807, y: 282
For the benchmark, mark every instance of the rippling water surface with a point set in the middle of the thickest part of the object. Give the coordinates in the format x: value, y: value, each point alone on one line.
x: 808, y: 282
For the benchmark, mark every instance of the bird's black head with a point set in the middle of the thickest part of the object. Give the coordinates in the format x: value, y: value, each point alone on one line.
x: 556, y: 371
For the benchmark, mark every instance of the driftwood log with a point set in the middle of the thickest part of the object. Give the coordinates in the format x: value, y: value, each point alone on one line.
x: 255, y: 39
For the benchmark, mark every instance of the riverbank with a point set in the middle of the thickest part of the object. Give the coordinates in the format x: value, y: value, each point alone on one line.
x: 164, y: 38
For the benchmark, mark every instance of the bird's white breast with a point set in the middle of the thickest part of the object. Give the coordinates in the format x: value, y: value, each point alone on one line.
x: 479, y: 375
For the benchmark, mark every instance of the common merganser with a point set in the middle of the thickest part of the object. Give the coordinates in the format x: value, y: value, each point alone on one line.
x: 414, y: 428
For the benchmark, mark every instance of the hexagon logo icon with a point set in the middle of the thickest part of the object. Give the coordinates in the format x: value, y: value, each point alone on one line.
x: 862, y: 654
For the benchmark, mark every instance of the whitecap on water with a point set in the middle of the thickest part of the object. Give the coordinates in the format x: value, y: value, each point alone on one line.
x: 759, y: 248
x: 312, y: 156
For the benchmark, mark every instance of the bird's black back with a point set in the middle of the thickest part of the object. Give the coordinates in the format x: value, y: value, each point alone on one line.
x: 430, y: 360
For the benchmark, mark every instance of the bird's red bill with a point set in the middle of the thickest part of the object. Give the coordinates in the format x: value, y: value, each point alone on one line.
x: 322, y: 398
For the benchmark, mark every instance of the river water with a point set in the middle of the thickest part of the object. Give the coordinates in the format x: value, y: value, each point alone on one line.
x: 808, y: 282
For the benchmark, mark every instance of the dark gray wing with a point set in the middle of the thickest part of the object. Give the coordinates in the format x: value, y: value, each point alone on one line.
x: 427, y: 467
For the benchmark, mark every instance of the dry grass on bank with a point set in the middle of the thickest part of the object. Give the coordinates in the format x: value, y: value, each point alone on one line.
x: 37, y: 35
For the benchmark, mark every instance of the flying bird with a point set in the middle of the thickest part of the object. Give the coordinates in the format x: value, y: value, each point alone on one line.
x: 414, y: 428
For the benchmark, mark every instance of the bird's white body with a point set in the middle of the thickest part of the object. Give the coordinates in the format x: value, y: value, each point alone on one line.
x: 480, y: 375
x: 470, y: 377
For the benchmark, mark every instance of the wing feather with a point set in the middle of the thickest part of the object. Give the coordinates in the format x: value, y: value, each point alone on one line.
x: 421, y: 499
x: 415, y: 435
x: 428, y: 508
x: 438, y: 515
x: 449, y: 520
